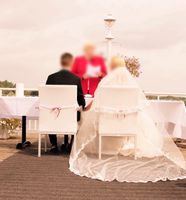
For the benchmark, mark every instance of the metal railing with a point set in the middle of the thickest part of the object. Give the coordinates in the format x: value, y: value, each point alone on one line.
x: 32, y: 125
x: 156, y: 94
x: 165, y: 94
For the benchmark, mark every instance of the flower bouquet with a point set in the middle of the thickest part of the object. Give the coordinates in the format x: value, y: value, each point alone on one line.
x: 133, y: 66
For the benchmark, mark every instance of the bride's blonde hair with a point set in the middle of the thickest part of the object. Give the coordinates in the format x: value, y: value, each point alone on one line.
x: 116, y: 62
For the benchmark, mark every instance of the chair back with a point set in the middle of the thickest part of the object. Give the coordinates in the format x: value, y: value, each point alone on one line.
x: 58, y: 108
x: 118, y: 99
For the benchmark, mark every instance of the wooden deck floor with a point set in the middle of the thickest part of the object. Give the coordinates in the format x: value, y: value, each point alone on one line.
x: 24, y: 176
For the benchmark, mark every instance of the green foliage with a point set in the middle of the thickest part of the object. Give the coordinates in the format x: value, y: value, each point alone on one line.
x: 151, y: 97
x: 171, y: 98
x: 168, y: 98
x: 31, y: 93
x: 7, y: 84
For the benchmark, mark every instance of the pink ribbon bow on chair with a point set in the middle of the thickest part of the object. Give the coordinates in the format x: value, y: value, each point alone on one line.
x: 56, y: 110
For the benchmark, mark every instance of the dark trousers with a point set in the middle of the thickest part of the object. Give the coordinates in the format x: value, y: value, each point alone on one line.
x: 53, y: 139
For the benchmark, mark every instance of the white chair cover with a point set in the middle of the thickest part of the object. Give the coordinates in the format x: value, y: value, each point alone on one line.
x: 58, y: 108
x: 118, y: 115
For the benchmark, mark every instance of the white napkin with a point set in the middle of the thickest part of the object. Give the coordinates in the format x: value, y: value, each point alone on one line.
x: 92, y: 71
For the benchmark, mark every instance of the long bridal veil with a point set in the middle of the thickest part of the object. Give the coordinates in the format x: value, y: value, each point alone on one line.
x: 158, y: 158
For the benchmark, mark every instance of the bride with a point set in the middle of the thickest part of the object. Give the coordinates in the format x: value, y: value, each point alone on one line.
x: 158, y: 158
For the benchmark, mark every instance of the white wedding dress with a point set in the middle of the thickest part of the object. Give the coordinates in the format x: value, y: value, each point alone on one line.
x: 158, y: 158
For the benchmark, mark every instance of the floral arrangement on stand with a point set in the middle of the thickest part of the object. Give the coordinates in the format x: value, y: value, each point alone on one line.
x: 133, y: 65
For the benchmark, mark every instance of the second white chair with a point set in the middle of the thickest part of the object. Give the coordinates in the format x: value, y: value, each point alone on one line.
x: 118, y: 113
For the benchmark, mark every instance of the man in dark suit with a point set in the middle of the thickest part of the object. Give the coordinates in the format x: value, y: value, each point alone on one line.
x: 65, y: 77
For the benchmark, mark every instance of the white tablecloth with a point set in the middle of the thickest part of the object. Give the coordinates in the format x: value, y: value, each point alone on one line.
x: 18, y: 106
x: 171, y: 113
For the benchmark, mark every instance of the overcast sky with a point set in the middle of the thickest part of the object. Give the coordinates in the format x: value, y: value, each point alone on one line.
x: 33, y: 33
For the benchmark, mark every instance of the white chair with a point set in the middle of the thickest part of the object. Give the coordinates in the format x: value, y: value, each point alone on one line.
x: 118, y: 113
x: 57, y: 112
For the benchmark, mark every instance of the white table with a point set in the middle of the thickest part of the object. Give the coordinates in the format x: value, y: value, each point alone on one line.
x: 170, y: 113
x: 166, y: 112
x: 19, y: 107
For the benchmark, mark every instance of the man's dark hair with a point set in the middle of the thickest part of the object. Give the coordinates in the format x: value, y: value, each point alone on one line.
x: 66, y: 58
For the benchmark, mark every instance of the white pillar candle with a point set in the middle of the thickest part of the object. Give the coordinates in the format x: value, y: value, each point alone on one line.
x: 19, y: 90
